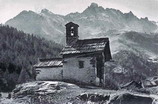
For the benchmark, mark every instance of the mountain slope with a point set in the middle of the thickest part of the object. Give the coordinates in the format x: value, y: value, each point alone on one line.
x: 19, y: 51
x: 140, y: 43
x: 93, y: 21
x: 135, y: 58
x: 45, y: 24
x: 97, y: 20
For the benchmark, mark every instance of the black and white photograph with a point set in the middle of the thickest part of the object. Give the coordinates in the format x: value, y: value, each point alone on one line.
x: 78, y: 51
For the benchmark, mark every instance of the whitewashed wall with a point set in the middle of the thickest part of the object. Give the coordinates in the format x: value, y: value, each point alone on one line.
x: 49, y: 73
x: 73, y: 72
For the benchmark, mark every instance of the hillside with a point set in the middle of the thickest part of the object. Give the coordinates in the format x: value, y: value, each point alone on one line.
x: 135, y: 57
x: 19, y: 51
x: 54, y: 92
x: 94, y: 21
x: 44, y: 24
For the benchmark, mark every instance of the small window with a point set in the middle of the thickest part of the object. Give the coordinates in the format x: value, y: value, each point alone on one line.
x: 72, y: 28
x: 81, y: 64
x: 72, y: 31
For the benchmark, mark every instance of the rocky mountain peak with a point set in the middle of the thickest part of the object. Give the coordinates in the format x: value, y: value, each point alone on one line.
x: 94, y: 5
x: 131, y: 13
x: 46, y: 11
x: 26, y: 12
x: 93, y: 9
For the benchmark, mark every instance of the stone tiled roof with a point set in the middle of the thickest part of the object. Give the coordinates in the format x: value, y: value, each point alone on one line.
x: 53, y: 62
x: 86, y: 46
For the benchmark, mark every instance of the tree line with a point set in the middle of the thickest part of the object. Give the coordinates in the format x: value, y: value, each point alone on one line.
x: 19, y: 50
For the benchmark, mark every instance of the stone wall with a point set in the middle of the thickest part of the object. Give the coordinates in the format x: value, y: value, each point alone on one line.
x: 71, y: 70
x: 49, y: 73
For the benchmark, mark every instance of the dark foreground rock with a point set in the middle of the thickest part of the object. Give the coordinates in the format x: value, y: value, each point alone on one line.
x: 53, y: 92
x: 131, y: 99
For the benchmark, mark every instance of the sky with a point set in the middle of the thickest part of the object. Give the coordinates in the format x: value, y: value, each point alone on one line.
x: 141, y: 8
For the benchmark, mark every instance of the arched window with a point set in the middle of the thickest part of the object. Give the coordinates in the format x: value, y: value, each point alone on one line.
x: 72, y: 31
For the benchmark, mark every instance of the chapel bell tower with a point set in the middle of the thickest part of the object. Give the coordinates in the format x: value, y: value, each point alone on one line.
x: 71, y: 33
